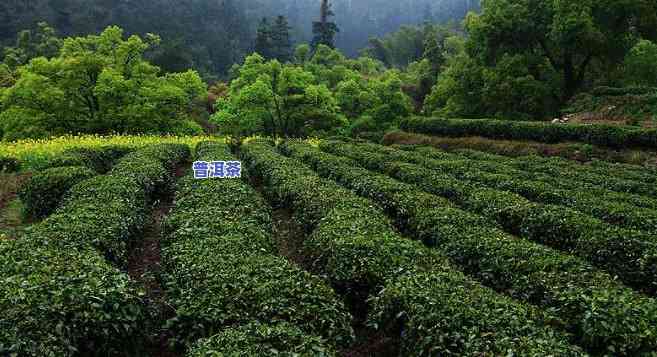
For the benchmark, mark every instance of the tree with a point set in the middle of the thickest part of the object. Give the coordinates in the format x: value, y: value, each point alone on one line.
x: 640, y: 65
x: 280, y: 38
x: 172, y: 56
x: 98, y: 84
x: 263, y: 42
x: 324, y: 30
x: 275, y: 99
x: 302, y: 54
x: 467, y: 89
x: 40, y: 42
x: 273, y: 40
x: 377, y: 49
x: 570, y: 36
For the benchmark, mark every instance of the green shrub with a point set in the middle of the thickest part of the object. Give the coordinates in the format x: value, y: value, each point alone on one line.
x: 9, y: 164
x: 630, y: 255
x: 351, y: 241
x: 258, y: 339
x: 58, y: 295
x: 596, y: 134
x: 356, y: 243
x: 62, y: 302
x: 220, y: 267
x: 104, y: 212
x: 640, y: 65
x: 364, y: 124
x: 619, y: 209
x: 187, y: 128
x: 603, y: 314
x: 418, y: 301
x: 42, y: 193
x: 621, y: 91
x: 107, y: 211
x: 151, y: 167
x: 100, y: 159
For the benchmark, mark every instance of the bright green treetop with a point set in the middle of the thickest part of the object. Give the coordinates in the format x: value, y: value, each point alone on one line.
x: 97, y: 84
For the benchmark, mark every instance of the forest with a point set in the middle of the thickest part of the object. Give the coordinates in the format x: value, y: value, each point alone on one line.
x: 338, y: 74
x: 209, y: 178
x: 212, y: 35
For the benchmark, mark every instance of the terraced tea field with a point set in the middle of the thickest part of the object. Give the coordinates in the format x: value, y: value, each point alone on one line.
x: 336, y: 248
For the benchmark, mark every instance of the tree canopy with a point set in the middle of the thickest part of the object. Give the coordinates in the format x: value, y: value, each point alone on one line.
x: 568, y: 37
x: 98, y: 84
x: 318, y: 94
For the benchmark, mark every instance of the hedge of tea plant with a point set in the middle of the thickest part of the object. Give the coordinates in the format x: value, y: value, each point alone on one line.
x: 610, y: 208
x: 221, y: 269
x: 43, y: 192
x: 611, y: 185
x: 629, y: 254
x: 545, y: 132
x: 603, y: 315
x: 357, y: 248
x: 262, y: 339
x: 107, y: 211
x: 59, y: 295
x: 100, y: 159
x: 9, y: 164
x: 597, y: 167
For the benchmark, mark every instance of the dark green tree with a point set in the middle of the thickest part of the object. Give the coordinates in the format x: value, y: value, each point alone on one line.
x: 40, y: 42
x: 377, y: 50
x: 280, y: 39
x: 324, y: 30
x: 570, y: 37
x: 263, y: 42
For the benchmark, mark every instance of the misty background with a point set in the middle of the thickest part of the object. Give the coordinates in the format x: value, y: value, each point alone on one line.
x: 212, y: 35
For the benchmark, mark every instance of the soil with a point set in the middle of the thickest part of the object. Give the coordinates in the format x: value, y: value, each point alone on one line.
x: 12, y: 222
x: 11, y: 184
x: 289, y: 236
x: 144, y: 267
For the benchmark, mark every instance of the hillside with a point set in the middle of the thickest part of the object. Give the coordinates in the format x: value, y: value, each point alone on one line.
x: 322, y: 178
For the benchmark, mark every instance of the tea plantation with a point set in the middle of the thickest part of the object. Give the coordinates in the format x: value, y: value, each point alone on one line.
x: 330, y: 248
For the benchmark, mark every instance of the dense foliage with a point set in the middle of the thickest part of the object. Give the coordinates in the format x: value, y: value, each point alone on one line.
x: 220, y: 268
x: 598, y: 134
x: 321, y: 92
x: 43, y: 192
x: 97, y: 84
x: 527, y: 58
x: 359, y: 250
x: 60, y: 297
x: 591, y: 303
x: 491, y: 190
x: 211, y: 35
x: 257, y: 339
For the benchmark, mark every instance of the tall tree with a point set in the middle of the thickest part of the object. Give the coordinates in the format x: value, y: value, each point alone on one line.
x: 324, y: 30
x: 280, y: 39
x: 40, y: 42
x: 97, y: 84
x: 263, y: 41
x: 570, y: 37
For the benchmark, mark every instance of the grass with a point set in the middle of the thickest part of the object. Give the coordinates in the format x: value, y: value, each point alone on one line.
x: 11, y: 208
x: 33, y: 153
x: 515, y: 148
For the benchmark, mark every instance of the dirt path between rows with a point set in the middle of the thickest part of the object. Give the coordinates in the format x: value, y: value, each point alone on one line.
x: 144, y: 266
x: 289, y: 236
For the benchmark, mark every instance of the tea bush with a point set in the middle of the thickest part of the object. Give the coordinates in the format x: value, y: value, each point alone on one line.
x: 42, y: 193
